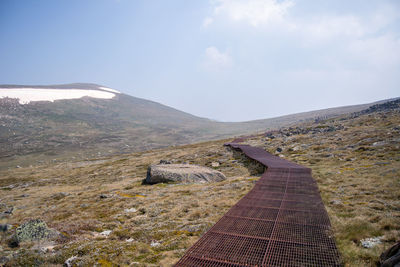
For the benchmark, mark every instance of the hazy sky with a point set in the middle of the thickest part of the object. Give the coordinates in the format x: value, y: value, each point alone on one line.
x: 227, y: 60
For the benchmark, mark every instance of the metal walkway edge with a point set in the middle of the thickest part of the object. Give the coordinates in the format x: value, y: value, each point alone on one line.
x: 280, y: 222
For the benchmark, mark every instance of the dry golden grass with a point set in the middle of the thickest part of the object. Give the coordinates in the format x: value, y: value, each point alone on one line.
x: 358, y: 173
x: 67, y: 197
x: 359, y: 182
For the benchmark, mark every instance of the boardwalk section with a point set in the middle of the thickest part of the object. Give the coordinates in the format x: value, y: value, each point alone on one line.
x: 280, y: 222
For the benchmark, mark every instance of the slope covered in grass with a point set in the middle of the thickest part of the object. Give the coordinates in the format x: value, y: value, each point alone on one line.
x: 89, y: 127
x: 355, y: 160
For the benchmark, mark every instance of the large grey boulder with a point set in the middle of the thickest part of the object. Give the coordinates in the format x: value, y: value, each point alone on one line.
x: 182, y: 173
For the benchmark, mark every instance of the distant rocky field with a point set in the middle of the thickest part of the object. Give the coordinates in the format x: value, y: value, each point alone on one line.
x: 106, y: 215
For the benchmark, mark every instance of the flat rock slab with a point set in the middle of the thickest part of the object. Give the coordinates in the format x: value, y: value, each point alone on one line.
x: 182, y: 173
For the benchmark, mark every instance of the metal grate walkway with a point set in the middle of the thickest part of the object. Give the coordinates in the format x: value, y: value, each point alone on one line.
x: 280, y: 222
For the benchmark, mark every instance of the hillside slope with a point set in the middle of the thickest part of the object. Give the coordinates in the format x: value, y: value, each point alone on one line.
x: 89, y: 126
x: 116, y: 125
x: 355, y: 160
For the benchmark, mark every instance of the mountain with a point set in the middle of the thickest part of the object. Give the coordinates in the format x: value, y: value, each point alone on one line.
x: 85, y: 120
x: 105, y: 125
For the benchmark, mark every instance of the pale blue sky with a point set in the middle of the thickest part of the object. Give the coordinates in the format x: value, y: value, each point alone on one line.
x: 227, y: 60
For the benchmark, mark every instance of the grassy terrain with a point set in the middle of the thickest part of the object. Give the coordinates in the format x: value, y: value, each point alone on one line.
x: 355, y: 160
x: 67, y: 197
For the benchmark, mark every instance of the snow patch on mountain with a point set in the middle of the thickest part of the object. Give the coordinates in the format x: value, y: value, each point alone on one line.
x: 27, y: 95
x: 109, y: 89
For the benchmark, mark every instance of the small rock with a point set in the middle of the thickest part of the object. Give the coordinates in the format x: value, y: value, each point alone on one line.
x: 106, y: 233
x: 58, y: 196
x: 8, y: 187
x: 154, y: 244
x: 163, y: 161
x: 371, y: 242
x: 215, y: 164
x: 69, y: 262
x: 47, y: 248
x: 130, y: 240
x: 380, y: 143
x: 9, y: 211
x: 296, y: 148
x: 4, y: 227
x: 102, y: 196
x: 336, y: 202
x: 130, y: 210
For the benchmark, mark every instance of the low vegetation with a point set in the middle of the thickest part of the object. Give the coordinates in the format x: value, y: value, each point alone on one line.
x: 356, y: 162
x: 107, y: 216
x: 149, y: 224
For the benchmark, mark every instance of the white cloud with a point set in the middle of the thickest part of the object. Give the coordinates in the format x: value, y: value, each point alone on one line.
x: 312, y: 29
x: 361, y: 38
x: 328, y: 27
x: 325, y: 28
x: 254, y: 12
x: 350, y: 50
x: 382, y: 51
x: 215, y: 60
x: 207, y: 21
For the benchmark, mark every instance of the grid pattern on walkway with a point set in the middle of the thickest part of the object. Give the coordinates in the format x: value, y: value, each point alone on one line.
x: 280, y: 222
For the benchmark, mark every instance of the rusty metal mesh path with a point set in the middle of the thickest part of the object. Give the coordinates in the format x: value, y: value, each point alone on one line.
x: 280, y: 222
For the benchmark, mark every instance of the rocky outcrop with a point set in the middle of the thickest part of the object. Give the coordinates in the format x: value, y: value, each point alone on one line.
x: 182, y: 173
x: 390, y: 105
x: 34, y: 230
